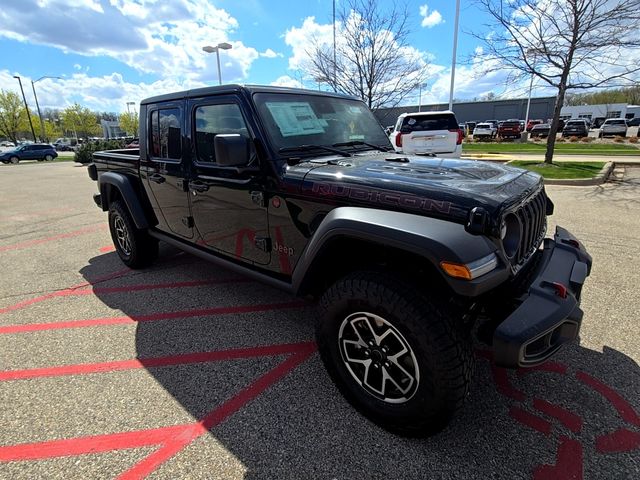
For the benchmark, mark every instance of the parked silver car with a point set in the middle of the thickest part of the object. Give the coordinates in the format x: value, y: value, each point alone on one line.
x: 614, y: 127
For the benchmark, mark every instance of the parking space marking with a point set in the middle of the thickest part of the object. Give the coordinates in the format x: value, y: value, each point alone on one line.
x: 64, y: 292
x: 153, y: 362
x: 569, y: 455
x: 39, y: 241
x: 153, y: 317
x: 170, y: 440
x: 80, y: 291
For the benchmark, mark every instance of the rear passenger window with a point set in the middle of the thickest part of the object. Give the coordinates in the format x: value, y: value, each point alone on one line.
x: 431, y: 122
x: 165, y: 134
x: 212, y: 120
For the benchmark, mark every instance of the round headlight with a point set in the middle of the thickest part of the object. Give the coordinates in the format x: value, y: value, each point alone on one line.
x: 510, y: 232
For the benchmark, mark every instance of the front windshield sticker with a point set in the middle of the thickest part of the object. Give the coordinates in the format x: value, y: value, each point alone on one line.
x: 295, y: 118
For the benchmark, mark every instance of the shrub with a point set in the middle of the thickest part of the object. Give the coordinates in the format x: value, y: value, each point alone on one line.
x: 84, y: 153
x: 618, y: 139
x: 573, y: 139
x: 587, y: 139
x: 561, y: 139
x: 633, y: 140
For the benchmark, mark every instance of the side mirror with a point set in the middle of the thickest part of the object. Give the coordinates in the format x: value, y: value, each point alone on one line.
x: 232, y: 150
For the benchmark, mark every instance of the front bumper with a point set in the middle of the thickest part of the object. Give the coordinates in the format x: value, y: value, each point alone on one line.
x: 549, y: 314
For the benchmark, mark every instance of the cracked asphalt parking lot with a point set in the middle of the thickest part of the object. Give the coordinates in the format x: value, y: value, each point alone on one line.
x: 185, y: 370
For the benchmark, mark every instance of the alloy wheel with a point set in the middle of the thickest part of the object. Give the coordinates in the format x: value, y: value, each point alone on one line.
x: 378, y: 357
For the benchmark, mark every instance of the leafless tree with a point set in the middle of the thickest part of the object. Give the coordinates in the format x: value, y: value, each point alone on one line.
x: 373, y: 58
x: 568, y: 44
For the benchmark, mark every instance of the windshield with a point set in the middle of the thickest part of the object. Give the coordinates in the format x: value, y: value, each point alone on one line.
x: 294, y: 120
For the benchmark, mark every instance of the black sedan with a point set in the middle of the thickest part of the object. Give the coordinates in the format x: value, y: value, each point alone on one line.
x: 540, y: 130
x: 32, y: 151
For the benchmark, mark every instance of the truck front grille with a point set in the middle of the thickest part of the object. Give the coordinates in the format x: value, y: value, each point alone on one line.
x: 533, y: 219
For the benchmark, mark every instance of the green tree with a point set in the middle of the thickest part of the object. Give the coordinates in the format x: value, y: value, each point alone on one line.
x: 52, y: 130
x: 80, y: 120
x: 12, y: 115
x: 129, y: 123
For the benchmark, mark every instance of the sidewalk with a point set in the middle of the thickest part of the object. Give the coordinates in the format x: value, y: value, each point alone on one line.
x: 505, y: 157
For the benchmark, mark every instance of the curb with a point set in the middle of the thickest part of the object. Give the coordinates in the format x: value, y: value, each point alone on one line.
x: 599, y: 179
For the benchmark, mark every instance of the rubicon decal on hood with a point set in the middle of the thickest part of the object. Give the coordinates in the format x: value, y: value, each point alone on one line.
x: 392, y: 199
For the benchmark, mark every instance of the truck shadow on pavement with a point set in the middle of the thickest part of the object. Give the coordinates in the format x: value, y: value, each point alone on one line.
x: 271, y: 411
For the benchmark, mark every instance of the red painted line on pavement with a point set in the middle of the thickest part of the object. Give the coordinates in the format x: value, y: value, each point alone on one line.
x: 39, y: 241
x: 83, y: 445
x: 622, y: 440
x: 171, y: 439
x: 570, y: 420
x: 107, y: 249
x: 568, y: 463
x: 93, y: 322
x: 217, y: 416
x: 549, y: 367
x: 503, y: 384
x: 530, y: 420
x: 154, y: 362
x: 623, y: 407
x: 62, y: 293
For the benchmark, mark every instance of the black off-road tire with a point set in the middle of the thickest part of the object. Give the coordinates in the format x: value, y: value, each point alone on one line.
x: 14, y: 160
x: 135, y: 247
x: 439, y: 348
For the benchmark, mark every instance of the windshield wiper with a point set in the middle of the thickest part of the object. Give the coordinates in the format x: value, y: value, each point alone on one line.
x: 303, y: 148
x: 355, y: 143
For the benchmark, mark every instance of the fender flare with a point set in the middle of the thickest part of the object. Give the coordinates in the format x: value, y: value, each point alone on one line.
x: 124, y: 185
x: 430, y: 238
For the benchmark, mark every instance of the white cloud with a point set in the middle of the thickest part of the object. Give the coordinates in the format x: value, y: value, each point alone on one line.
x: 286, y: 81
x: 160, y: 37
x: 302, y: 40
x: 268, y: 53
x: 77, y: 66
x: 432, y: 19
x: 105, y: 93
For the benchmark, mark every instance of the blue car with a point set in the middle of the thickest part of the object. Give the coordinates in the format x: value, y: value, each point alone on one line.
x: 33, y: 151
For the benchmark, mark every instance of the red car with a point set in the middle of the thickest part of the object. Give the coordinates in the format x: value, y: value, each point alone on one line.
x: 509, y: 128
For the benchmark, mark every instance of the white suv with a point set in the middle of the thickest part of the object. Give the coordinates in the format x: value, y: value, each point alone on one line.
x: 614, y: 126
x: 435, y: 133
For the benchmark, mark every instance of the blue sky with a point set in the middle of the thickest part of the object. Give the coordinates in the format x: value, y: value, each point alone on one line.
x: 109, y: 52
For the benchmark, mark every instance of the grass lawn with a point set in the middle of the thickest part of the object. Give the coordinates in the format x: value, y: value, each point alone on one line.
x: 561, y: 148
x: 561, y: 169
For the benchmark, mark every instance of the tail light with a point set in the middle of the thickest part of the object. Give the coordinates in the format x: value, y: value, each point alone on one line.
x: 460, y: 135
x: 399, y: 140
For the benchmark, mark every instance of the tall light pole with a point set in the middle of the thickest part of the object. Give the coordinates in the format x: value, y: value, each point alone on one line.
x: 420, y: 95
x: 453, y: 60
x: 334, y: 46
x: 33, y: 86
x: 24, y: 99
x: 130, y: 103
x: 526, y: 118
x: 223, y: 46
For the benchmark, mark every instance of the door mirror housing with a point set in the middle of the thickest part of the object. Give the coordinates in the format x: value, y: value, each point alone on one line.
x: 232, y: 150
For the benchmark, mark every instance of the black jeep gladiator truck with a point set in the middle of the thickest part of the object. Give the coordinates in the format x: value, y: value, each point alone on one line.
x: 302, y: 190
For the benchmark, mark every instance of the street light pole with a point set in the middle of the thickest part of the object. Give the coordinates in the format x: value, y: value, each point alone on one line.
x: 453, y: 60
x: 216, y: 49
x: 33, y: 86
x: 526, y: 118
x: 24, y: 99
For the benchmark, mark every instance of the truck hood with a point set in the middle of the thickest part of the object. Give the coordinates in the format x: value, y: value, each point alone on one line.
x: 439, y: 187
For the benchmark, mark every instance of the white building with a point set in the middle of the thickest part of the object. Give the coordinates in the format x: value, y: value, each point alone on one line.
x: 591, y: 112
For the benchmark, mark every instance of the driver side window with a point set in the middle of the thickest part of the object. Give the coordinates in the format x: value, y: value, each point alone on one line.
x: 212, y: 120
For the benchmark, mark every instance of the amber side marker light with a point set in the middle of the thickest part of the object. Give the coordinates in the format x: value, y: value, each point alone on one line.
x: 471, y: 270
x: 456, y: 270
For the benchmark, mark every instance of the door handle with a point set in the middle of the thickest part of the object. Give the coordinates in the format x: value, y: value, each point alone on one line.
x: 157, y: 178
x: 198, y: 187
